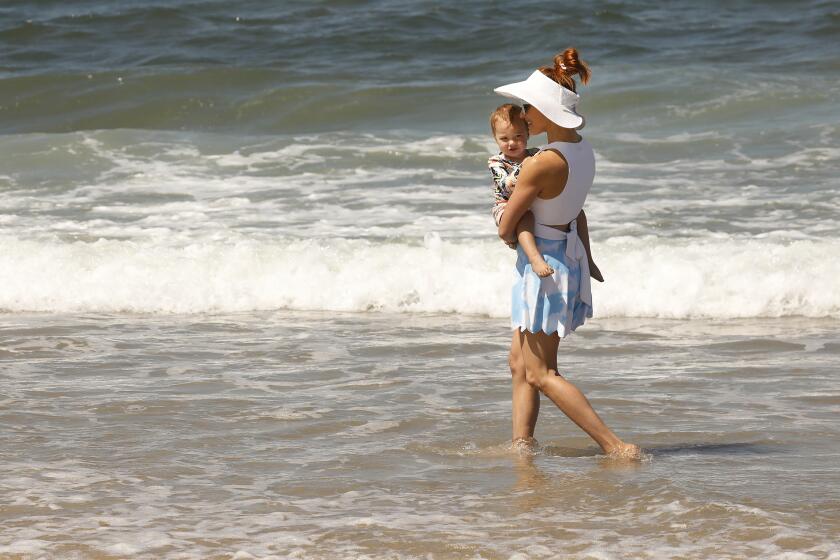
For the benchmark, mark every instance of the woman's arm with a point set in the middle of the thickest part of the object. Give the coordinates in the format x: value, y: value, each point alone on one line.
x: 583, y: 233
x: 537, y: 174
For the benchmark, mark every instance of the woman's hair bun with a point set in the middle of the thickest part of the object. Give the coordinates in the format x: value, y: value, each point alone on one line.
x: 568, y: 64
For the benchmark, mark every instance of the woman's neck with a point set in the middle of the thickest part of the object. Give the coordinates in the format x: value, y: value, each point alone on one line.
x: 560, y: 134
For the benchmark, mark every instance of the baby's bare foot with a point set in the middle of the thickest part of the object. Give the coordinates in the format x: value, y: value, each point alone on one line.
x: 542, y: 268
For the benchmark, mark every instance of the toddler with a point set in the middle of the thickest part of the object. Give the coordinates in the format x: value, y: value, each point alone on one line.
x: 511, y: 135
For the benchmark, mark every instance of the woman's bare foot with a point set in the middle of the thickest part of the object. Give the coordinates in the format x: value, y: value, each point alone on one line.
x: 541, y: 268
x: 627, y: 451
x: 595, y: 272
x: 526, y: 445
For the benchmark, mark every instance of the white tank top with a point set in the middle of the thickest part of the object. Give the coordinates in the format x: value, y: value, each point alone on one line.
x: 565, y: 207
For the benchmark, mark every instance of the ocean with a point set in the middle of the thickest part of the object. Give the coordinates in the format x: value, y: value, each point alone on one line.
x: 253, y: 304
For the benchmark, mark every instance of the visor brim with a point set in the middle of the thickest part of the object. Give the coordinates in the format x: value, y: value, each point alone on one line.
x: 528, y: 92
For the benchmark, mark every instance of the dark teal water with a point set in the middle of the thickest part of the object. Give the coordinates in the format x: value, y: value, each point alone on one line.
x: 282, y: 67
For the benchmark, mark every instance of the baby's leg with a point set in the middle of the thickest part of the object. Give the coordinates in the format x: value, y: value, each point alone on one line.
x: 583, y: 233
x: 525, y: 236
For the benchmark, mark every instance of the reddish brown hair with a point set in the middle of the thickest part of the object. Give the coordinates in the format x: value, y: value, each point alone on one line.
x: 507, y: 113
x: 574, y: 67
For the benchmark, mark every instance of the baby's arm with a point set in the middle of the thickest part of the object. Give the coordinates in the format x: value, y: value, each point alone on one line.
x: 583, y: 233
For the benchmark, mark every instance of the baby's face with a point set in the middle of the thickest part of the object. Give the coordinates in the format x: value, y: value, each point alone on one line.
x: 512, y: 139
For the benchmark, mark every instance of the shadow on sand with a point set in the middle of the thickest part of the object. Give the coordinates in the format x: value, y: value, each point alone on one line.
x: 738, y: 448
x: 745, y: 448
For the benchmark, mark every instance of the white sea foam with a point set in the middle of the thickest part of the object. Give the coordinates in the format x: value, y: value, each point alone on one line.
x: 140, y: 185
x: 675, y: 278
x: 164, y: 226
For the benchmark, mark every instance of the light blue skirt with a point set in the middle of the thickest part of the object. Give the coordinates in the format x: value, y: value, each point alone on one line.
x: 551, y: 304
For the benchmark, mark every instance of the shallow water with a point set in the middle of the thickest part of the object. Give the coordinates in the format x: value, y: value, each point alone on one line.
x: 314, y: 435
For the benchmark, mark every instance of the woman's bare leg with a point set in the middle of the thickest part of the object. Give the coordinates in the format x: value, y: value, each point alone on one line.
x: 525, y: 237
x: 526, y: 398
x: 539, y: 351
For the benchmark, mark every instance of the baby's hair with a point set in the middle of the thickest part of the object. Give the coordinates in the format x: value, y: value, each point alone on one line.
x: 507, y: 113
x: 566, y: 66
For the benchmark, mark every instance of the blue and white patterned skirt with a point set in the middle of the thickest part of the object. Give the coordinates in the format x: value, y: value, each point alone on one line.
x: 552, y: 304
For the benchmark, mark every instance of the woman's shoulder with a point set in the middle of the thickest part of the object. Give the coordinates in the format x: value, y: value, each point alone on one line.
x: 546, y: 160
x: 545, y: 167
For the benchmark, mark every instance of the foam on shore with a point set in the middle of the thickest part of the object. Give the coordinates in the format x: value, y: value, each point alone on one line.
x: 649, y: 277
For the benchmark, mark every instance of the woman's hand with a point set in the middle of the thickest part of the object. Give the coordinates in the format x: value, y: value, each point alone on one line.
x: 508, y: 238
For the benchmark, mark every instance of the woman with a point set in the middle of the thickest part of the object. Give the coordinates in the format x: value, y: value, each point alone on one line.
x: 553, y: 184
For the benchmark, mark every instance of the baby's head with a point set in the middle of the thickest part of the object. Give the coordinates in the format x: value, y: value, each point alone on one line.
x: 509, y: 130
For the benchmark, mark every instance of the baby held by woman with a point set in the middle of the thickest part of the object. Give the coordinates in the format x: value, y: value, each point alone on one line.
x: 511, y: 135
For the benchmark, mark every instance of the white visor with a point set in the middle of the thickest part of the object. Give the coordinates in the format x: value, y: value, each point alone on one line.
x: 550, y: 98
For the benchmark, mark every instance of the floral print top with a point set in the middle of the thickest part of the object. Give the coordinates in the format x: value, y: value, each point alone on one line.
x: 505, y: 172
